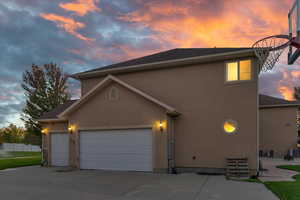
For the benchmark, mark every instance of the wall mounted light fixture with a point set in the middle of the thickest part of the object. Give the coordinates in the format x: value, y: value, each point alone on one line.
x: 71, y: 128
x: 45, y: 131
x: 160, y: 125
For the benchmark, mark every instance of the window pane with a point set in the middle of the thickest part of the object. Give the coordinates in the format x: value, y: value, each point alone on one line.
x: 232, y: 71
x: 245, y: 70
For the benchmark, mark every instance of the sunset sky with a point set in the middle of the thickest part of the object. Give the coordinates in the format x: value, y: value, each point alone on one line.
x: 85, y: 34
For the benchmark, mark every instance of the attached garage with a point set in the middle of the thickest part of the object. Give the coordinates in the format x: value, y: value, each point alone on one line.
x: 124, y: 150
x: 59, y: 149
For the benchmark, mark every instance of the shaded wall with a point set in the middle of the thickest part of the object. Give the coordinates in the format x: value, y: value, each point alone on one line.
x: 278, y: 129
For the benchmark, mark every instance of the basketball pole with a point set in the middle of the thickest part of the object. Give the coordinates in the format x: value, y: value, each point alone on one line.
x: 298, y: 17
x: 290, y: 33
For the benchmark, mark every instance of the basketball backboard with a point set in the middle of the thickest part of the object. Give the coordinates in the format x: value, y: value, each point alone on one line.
x: 269, y: 49
x: 294, y: 32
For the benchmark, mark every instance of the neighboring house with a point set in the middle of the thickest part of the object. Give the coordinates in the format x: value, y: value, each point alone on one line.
x: 182, y: 109
x: 278, y: 125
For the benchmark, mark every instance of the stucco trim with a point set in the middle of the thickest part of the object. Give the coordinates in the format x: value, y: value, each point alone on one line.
x: 58, y: 131
x: 279, y: 106
x: 170, y: 110
x: 52, y: 120
x: 115, y: 127
x: 166, y: 64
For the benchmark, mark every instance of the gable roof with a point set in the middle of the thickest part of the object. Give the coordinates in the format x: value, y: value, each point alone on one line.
x: 170, y: 110
x: 172, y: 55
x: 264, y: 102
x: 269, y: 102
x: 53, y: 114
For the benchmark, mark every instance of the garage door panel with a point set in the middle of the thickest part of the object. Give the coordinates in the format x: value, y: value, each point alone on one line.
x: 116, y: 150
x: 110, y: 149
x: 59, y: 149
x: 118, y: 164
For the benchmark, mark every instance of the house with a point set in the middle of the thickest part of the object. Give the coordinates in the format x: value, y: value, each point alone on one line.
x: 278, y: 125
x: 182, y: 109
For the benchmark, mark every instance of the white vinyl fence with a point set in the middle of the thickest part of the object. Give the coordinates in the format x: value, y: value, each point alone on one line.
x: 19, y: 147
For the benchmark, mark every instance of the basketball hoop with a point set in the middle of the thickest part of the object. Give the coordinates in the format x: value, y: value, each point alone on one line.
x: 269, y: 49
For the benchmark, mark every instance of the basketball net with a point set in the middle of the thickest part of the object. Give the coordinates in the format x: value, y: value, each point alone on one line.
x: 269, y: 49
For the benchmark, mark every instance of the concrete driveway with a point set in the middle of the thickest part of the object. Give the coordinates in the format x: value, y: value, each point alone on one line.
x: 36, y: 183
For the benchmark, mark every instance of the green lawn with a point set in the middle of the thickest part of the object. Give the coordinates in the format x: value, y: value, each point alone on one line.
x: 20, y: 159
x: 19, y: 154
x: 286, y: 190
x: 290, y: 167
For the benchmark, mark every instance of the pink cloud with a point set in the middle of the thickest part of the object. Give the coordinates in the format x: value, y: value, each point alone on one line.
x: 67, y: 24
x: 81, y: 7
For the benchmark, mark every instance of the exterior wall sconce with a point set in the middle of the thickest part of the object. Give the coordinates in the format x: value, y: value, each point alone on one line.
x: 71, y: 128
x: 45, y: 131
x: 161, y: 125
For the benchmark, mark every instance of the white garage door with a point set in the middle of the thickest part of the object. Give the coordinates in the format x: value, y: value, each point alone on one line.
x: 127, y: 150
x: 59, y: 149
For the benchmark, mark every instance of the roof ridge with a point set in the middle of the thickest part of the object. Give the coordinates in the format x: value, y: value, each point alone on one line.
x: 167, y: 55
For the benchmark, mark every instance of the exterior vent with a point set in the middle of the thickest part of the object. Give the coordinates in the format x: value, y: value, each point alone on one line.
x: 113, y: 94
x: 237, y: 168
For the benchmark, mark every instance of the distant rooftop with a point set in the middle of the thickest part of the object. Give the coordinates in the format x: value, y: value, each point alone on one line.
x: 269, y: 101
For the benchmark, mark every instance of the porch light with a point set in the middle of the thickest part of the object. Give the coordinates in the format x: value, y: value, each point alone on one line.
x: 71, y: 128
x: 45, y: 131
x: 161, y: 128
x: 230, y: 126
x: 161, y: 125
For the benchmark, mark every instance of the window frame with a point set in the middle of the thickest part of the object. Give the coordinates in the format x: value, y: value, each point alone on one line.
x: 238, y: 70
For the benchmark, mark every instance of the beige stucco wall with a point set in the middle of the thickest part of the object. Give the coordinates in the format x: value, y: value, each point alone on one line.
x: 278, y: 129
x: 129, y: 111
x: 205, y: 101
x: 60, y: 127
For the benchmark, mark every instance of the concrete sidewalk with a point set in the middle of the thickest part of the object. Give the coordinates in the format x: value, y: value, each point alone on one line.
x: 36, y: 183
x: 275, y: 174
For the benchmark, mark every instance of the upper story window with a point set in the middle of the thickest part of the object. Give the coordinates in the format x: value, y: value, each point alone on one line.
x: 238, y: 70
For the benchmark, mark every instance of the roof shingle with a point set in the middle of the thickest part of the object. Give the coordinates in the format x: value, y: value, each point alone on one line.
x: 173, y: 54
x: 53, y: 114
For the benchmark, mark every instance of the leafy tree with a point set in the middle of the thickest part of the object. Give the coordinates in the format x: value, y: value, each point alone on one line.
x: 12, y: 134
x: 45, y: 88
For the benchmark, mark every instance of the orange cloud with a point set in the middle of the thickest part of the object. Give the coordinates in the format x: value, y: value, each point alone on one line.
x: 287, y: 93
x: 236, y: 23
x: 81, y: 7
x: 295, y: 74
x: 287, y: 83
x: 67, y: 24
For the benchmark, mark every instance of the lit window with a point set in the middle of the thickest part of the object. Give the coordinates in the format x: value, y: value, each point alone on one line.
x: 245, y: 70
x: 238, y: 71
x: 232, y: 71
x: 230, y: 126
